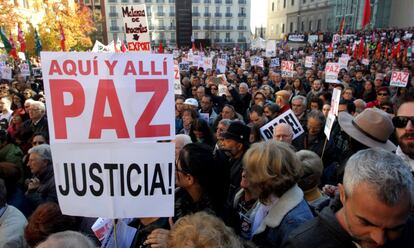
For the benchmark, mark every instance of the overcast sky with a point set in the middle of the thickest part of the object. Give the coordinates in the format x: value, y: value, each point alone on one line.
x: 258, y: 13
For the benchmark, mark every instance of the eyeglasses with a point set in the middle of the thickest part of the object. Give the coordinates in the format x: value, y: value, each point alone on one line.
x: 402, y: 121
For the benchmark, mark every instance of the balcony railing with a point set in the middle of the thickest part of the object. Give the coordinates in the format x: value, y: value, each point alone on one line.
x: 160, y: 1
x: 171, y: 1
x: 172, y: 13
x: 207, y: 1
x: 171, y: 27
x: 217, y: 14
x: 114, y: 28
x: 242, y: 1
x: 241, y: 15
x: 217, y: 40
x: 228, y: 27
x: 228, y: 40
x: 229, y: 14
x: 208, y: 27
x: 113, y: 14
x: 229, y: 1
x: 196, y: 14
x: 218, y: 1
x: 160, y: 14
x: 148, y: 1
x: 243, y: 39
x: 241, y: 27
x: 196, y: 1
x: 197, y: 27
x: 160, y: 28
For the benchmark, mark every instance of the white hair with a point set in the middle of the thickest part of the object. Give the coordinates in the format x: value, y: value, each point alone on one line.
x: 67, y: 239
x: 382, y: 170
x: 283, y: 125
x: 183, y: 138
x: 43, y: 151
x: 301, y: 98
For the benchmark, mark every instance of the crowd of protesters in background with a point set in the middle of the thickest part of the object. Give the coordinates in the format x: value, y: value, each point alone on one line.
x: 235, y: 187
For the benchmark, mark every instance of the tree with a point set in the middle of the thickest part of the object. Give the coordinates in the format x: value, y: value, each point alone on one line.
x: 9, y: 16
x: 76, y: 22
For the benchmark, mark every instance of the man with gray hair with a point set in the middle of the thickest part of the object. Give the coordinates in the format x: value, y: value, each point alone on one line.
x: 299, y: 104
x: 283, y: 132
x: 373, y: 209
x: 38, y: 121
x: 41, y: 188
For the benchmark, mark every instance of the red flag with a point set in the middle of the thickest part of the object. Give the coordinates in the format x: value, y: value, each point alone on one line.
x: 62, y: 37
x: 123, y: 47
x: 378, y: 51
x: 330, y: 48
x: 20, y: 38
x: 161, y: 48
x: 398, y: 49
x: 366, y: 17
x: 13, y: 51
x: 386, y: 52
x: 341, y: 26
x: 193, y: 48
x: 405, y: 53
x: 361, y: 49
x: 355, y: 51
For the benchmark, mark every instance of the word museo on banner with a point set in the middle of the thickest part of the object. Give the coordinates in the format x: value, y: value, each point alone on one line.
x: 123, y: 179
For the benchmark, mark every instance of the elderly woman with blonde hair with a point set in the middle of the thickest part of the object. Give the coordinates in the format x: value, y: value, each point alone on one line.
x: 204, y: 231
x: 273, y: 169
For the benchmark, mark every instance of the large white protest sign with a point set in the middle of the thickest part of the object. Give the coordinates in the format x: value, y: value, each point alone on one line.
x: 136, y: 27
x: 308, y: 61
x: 113, y: 87
x: 197, y: 60
x: 270, y: 48
x: 336, y: 97
x: 287, y: 68
x: 399, y: 78
x: 336, y: 38
x: 105, y: 112
x: 275, y: 62
x: 331, y: 72
x: 177, y: 81
x: 107, y: 179
x: 221, y: 65
x: 329, y: 55
x: 287, y: 117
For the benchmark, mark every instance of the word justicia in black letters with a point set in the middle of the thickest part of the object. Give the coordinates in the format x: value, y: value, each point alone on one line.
x: 123, y: 179
x: 130, y: 12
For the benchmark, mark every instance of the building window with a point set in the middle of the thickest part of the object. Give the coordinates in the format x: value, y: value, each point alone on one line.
x: 160, y: 9
x: 113, y: 23
x: 206, y: 9
x: 302, y: 26
x: 283, y: 28
x: 218, y: 9
x: 217, y: 22
x: 241, y: 22
x: 227, y: 35
x: 310, y: 25
x: 195, y: 22
x: 112, y: 9
x: 242, y: 11
x: 173, y: 36
x: 304, y: 1
x: 284, y: 4
x: 228, y: 23
x: 291, y: 27
x: 273, y: 6
x: 217, y: 35
x: 228, y: 10
x: 293, y: 2
x: 319, y: 25
x: 195, y: 9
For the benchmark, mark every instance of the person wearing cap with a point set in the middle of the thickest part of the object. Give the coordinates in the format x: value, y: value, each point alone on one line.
x: 383, y: 94
x: 235, y: 143
x: 404, y: 129
x: 191, y: 103
x: 373, y: 208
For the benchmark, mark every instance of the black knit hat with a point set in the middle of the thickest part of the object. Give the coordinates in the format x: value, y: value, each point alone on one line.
x: 239, y: 132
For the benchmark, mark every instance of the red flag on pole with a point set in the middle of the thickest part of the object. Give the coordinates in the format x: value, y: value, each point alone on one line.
x: 398, y: 50
x: 160, y: 48
x: 123, y: 47
x: 13, y: 51
x: 62, y: 37
x: 366, y: 16
x: 193, y: 48
x: 386, y: 52
x: 341, y: 26
x: 361, y: 49
x: 378, y: 51
x: 20, y: 38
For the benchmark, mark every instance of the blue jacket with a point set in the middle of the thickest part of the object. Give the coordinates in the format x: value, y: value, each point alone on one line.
x: 289, y: 212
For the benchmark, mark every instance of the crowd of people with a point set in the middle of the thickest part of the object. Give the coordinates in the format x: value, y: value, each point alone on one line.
x: 234, y: 186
